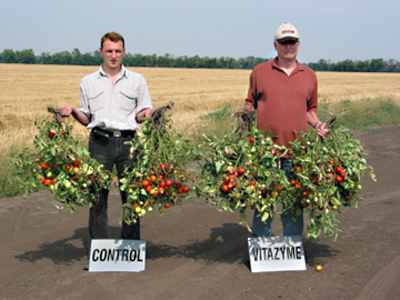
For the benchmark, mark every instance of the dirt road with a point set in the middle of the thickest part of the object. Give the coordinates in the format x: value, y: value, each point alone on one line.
x: 196, y: 252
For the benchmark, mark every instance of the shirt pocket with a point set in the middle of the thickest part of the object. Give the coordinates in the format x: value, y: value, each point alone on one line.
x: 128, y: 100
x: 94, y: 99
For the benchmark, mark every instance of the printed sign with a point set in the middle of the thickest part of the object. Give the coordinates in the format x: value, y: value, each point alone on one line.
x: 272, y: 254
x: 117, y: 256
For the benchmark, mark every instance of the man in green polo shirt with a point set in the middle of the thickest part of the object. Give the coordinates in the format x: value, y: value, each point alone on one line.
x: 285, y: 95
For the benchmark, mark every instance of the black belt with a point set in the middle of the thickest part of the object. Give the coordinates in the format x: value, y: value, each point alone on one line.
x: 114, y: 133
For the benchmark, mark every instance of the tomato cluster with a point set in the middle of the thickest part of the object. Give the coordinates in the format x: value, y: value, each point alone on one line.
x: 58, y: 163
x: 327, y: 176
x: 156, y: 189
x: 240, y: 172
x: 156, y: 175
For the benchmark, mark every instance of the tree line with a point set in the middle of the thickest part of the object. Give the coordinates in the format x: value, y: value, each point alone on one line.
x: 75, y: 57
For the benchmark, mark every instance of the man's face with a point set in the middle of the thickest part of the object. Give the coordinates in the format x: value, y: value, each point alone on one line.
x: 113, y: 54
x: 287, y: 50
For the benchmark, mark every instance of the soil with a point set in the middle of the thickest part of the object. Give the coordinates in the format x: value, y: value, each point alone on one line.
x: 197, y: 252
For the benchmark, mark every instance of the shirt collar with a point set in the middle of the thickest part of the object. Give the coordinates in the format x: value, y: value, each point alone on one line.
x: 123, y: 72
x: 299, y: 66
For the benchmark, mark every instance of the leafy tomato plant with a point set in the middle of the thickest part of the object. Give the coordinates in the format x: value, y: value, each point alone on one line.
x: 58, y: 162
x: 156, y: 175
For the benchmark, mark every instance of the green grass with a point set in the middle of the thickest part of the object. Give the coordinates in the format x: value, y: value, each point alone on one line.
x: 365, y: 114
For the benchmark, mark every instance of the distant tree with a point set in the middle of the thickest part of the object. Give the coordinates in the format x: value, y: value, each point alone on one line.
x: 62, y: 58
x: 44, y: 58
x: 97, y: 58
x: 26, y: 56
x: 76, y: 57
x: 8, y: 56
x: 377, y: 65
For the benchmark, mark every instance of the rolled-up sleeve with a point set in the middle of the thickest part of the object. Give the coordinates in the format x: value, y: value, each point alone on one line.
x: 144, y: 100
x: 84, y: 104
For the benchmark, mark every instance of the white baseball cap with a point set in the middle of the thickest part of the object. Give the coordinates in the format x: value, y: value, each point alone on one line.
x: 286, y: 32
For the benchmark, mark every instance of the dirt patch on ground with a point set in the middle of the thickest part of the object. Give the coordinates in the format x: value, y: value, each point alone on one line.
x: 196, y: 252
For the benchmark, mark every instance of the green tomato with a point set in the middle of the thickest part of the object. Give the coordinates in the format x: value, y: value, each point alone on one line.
x: 67, y: 184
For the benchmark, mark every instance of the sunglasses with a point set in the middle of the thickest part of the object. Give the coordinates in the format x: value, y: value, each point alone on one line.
x: 289, y: 42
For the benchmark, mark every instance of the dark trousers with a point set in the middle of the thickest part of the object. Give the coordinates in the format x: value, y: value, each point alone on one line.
x: 109, y: 152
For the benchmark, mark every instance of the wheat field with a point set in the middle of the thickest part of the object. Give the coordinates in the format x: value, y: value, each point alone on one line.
x: 27, y: 91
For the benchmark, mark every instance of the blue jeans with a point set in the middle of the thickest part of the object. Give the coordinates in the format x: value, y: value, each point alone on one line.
x: 290, y: 227
x: 109, y: 152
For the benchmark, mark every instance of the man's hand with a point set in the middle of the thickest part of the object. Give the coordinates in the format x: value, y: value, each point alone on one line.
x: 321, y: 129
x: 144, y: 114
x: 66, y: 110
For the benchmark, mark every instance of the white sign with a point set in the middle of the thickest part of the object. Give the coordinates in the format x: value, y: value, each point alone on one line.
x: 281, y: 253
x: 117, y: 255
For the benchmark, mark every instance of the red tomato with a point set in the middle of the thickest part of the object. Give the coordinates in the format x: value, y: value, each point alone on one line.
x: 51, y: 134
x: 153, y: 178
x: 225, y: 188
x: 240, y: 171
x: 339, y: 170
x: 293, y: 182
x: 251, y: 140
x: 145, y: 183
x: 298, y: 169
x: 149, y: 188
x: 339, y: 178
x: 178, y: 185
x: 343, y: 175
x: 162, y: 184
x: 166, y: 205
x: 169, y: 182
x: 75, y: 163
x: 163, y: 167
x: 45, y: 166
x: 186, y: 189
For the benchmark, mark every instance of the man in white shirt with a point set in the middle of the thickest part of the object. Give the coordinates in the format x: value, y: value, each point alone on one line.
x: 113, y: 101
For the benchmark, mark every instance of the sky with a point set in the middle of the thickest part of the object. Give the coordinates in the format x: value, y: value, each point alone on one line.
x: 333, y: 30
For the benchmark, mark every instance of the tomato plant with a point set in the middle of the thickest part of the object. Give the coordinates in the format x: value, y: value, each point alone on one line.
x: 329, y: 170
x: 240, y: 171
x: 159, y: 155
x: 58, y: 162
